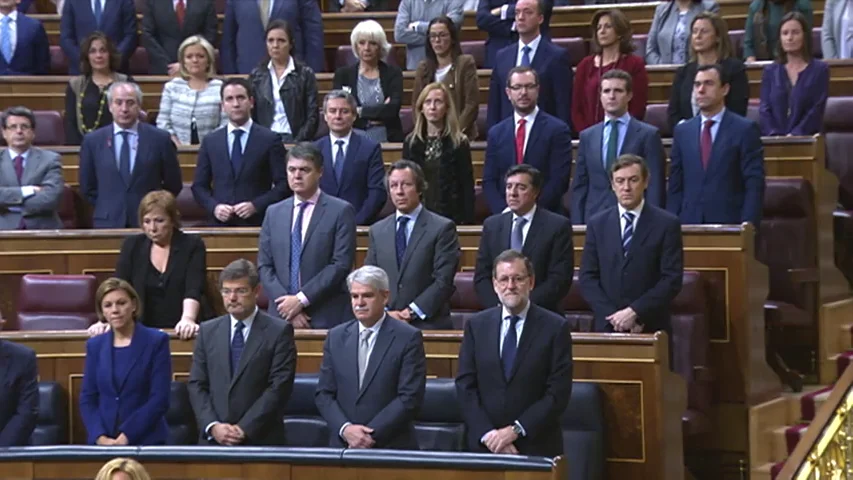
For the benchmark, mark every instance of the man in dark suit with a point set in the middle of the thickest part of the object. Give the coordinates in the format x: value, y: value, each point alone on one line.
x: 352, y: 163
x: 633, y: 257
x: 28, y: 51
x: 601, y: 144
x: 238, y: 394
x: 79, y: 18
x: 31, y: 182
x: 716, y: 173
x: 517, y: 408
x: 122, y: 162
x: 500, y: 20
x: 376, y: 408
x: 426, y: 250
x: 240, y: 169
x: 243, y: 43
x: 167, y: 23
x: 528, y: 136
x: 19, y: 400
x: 544, y: 237
x: 303, y: 273
x: 552, y: 64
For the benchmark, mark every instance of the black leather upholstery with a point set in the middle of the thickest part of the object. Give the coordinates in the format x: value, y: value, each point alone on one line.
x: 52, y: 423
x: 440, y: 426
x: 182, y: 427
x: 583, y: 432
x: 303, y: 425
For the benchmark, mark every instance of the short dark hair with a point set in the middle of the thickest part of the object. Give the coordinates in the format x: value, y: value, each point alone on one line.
x: 243, y: 82
x: 238, y: 270
x: 523, y: 168
x: 520, y: 70
x: 18, y: 111
x: 626, y: 160
x: 617, y: 74
x: 306, y: 151
x: 417, y: 171
x: 724, y: 77
x: 115, y: 55
x: 509, y: 256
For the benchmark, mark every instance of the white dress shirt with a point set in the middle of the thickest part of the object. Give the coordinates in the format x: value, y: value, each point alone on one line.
x: 527, y: 126
x: 118, y: 141
x: 246, y: 128
x: 280, y: 123
x: 519, y: 326
x: 714, y: 128
x: 534, y: 46
x: 637, y: 211
x: 334, y: 138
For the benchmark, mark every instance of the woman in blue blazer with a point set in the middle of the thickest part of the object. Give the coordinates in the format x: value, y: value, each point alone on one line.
x: 128, y: 374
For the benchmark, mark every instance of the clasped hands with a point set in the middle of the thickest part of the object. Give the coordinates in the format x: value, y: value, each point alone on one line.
x: 227, y: 434
x: 290, y: 309
x: 500, y: 440
x: 358, y: 436
x: 625, y: 320
x: 402, y: 315
x: 224, y: 212
x: 108, y: 442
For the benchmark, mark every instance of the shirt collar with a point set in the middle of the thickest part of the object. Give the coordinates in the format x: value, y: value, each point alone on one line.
x: 289, y: 68
x: 133, y: 129
x: 375, y: 328
x: 522, y: 315
x: 637, y: 211
x: 624, y: 119
x: 527, y: 216
x: 13, y: 15
x: 14, y: 153
x: 335, y: 138
x: 716, y: 118
x: 412, y: 216
x: 297, y: 202
x: 530, y: 117
x: 246, y: 127
x: 247, y: 322
x: 534, y: 44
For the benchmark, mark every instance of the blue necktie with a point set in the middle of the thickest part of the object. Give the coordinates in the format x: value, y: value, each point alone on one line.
x: 6, y: 39
x: 296, y: 249
x: 525, y: 56
x: 237, y: 344
x: 237, y: 151
x: 98, y: 12
x: 517, y: 241
x: 510, y: 346
x: 400, y: 239
x: 124, y: 157
x: 339, y: 161
x: 628, y: 233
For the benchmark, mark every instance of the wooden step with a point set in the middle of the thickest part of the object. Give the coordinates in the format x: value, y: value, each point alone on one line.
x: 761, y: 472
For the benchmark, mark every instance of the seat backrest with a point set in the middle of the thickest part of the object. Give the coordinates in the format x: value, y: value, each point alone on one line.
x: 192, y: 214
x: 180, y: 417
x: 439, y: 425
x: 71, y: 208
x: 736, y: 37
x: 58, y: 61
x: 56, y: 302
x: 303, y: 425
x: 52, y: 422
x: 576, y: 309
x: 656, y: 115
x: 139, y: 62
x: 582, y: 423
x: 407, y: 120
x: 464, y: 302
x: 639, y: 40
x: 576, y: 46
x: 477, y: 49
x: 838, y: 125
x: 482, y: 118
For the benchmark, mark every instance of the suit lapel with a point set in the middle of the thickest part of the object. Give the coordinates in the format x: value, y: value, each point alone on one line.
x: 527, y: 333
x: 695, y: 133
x: 249, y: 154
x: 141, y: 152
x: 350, y: 349
x: 493, y: 339
x: 316, y: 218
x: 597, y: 143
x: 613, y: 236
x: 505, y: 233
x: 329, y: 166
x: 284, y: 236
x: 227, y: 168
x: 417, y: 234
x: 221, y: 354
x: 7, y: 168
x: 137, y: 349
x: 387, y: 243
x: 349, y: 160
x: 111, y: 153
x: 253, y: 343
x: 718, y: 145
x: 534, y: 135
x: 641, y: 231
x: 384, y: 340
x: 530, y: 245
x: 107, y: 13
x: 30, y: 166
x: 632, y: 134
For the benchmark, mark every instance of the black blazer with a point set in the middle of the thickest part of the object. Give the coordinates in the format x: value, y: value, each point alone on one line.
x: 537, y: 391
x: 162, y: 35
x: 391, y: 79
x: 680, y: 106
x: 548, y: 246
x: 298, y: 94
x: 185, y: 276
x: 19, y: 394
x: 451, y: 181
x: 647, y: 279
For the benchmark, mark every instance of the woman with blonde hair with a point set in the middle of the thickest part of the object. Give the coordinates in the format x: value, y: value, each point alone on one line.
x: 190, y: 106
x: 122, y: 469
x: 439, y: 146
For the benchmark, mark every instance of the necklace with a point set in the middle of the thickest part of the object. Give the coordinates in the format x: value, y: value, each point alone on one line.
x: 83, y: 128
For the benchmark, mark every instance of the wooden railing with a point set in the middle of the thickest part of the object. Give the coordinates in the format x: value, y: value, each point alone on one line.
x: 826, y: 450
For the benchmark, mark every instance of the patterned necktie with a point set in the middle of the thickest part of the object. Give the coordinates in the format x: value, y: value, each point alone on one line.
x: 510, y: 346
x: 237, y: 150
x: 6, y: 39
x: 525, y: 56
x: 296, y: 248
x: 97, y: 12
x: 517, y: 241
x: 705, y: 143
x: 519, y: 141
x: 19, y: 167
x: 265, y: 12
x: 124, y: 157
x: 612, y: 144
x: 339, y: 161
x: 237, y: 344
x: 180, y: 12
x: 628, y: 233
x: 400, y: 239
x: 363, y: 354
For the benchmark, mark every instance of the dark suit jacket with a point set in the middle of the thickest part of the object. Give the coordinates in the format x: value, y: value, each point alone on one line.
x: 549, y: 149
x: 680, y: 97
x: 19, y: 401
x: 32, y: 50
x: 255, y: 397
x: 162, y: 35
x: 732, y: 189
x: 24, y: 5
x: 393, y: 387
x: 328, y: 253
x: 137, y: 404
x: 391, y: 80
x: 647, y: 279
x: 549, y: 248
x: 537, y: 391
x: 77, y: 21
x: 262, y: 178
x: 797, y: 110
x: 500, y: 32
x: 591, y: 189
x: 185, y: 275
x: 554, y: 67
x: 101, y: 183
x: 363, y: 179
x: 243, y: 43
x: 429, y: 266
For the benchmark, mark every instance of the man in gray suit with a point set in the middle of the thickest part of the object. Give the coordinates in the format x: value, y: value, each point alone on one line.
x: 303, y: 273
x: 602, y: 143
x: 31, y: 180
x: 426, y: 252
x: 374, y: 404
x: 242, y: 367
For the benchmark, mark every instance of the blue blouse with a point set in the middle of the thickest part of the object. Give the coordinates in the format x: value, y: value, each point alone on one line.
x: 796, y: 110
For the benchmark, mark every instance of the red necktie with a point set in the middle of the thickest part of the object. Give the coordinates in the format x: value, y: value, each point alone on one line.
x: 519, y: 142
x: 180, y: 11
x: 19, y: 167
x: 705, y: 143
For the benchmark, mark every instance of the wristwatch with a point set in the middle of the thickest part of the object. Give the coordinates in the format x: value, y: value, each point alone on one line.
x: 413, y: 314
x: 516, y: 429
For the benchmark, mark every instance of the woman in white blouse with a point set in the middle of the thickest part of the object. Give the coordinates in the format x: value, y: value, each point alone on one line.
x: 190, y: 106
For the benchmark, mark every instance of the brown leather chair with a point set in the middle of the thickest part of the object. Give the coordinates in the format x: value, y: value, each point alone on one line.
x: 464, y: 303
x: 481, y: 207
x: 838, y: 128
x: 482, y: 129
x: 407, y: 119
x: 192, y: 214
x: 58, y: 62
x: 139, y: 62
x: 72, y: 209
x: 49, y: 128
x: 56, y: 302
x: 736, y: 37
x: 345, y: 57
x: 576, y: 47
x: 477, y: 49
x: 656, y: 115
x: 639, y: 41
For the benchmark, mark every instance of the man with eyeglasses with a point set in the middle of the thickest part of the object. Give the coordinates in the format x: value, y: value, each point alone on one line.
x: 31, y: 180
x: 517, y: 409
x: 529, y: 136
x: 243, y: 367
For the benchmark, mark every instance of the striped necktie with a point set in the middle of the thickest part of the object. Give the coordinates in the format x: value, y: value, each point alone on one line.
x: 628, y: 232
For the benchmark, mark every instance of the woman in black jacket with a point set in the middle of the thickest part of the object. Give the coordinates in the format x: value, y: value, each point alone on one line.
x: 285, y: 89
